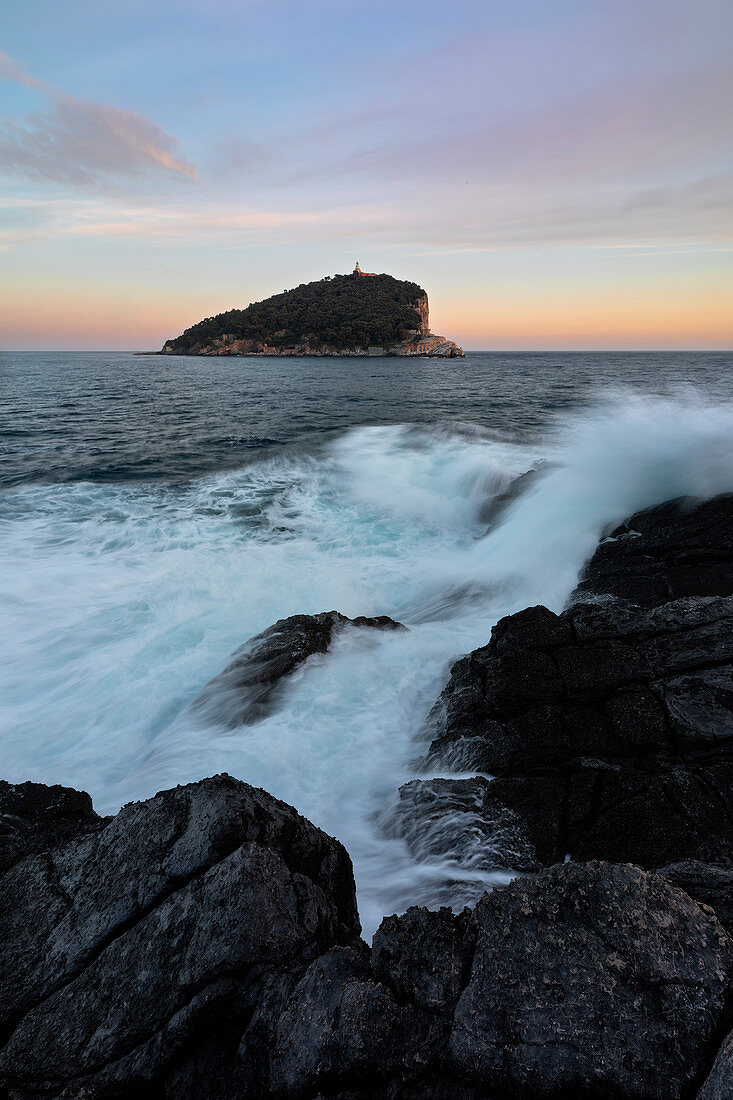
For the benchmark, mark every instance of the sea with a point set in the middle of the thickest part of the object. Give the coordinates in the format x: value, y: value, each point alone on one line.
x: 156, y: 512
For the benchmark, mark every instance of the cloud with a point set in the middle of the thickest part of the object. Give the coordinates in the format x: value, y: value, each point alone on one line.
x: 692, y: 217
x: 617, y: 131
x: 81, y: 143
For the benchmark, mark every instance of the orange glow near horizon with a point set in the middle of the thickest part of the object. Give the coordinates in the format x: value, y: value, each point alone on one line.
x: 105, y: 317
x: 685, y: 320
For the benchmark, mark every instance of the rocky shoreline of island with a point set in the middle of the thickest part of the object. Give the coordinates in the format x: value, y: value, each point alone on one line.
x: 206, y: 943
x: 426, y: 347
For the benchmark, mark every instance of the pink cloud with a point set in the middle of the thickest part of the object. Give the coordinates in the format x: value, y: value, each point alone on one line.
x: 82, y: 143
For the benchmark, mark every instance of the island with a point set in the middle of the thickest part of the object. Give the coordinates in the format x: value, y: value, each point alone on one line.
x: 361, y: 314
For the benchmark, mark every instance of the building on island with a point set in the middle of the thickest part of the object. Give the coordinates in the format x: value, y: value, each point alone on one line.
x: 367, y: 274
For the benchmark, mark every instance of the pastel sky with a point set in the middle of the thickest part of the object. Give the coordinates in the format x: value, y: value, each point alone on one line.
x: 555, y: 173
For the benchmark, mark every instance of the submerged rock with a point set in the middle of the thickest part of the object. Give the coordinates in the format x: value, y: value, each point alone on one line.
x: 245, y: 692
x: 459, y: 820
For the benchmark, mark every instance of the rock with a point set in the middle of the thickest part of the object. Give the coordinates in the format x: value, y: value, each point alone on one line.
x: 204, y: 945
x: 580, y: 986
x: 246, y: 691
x: 707, y: 884
x: 583, y: 980
x: 33, y: 816
x: 611, y: 727
x: 340, y: 1025
x: 494, y: 510
x: 425, y: 957
x: 681, y: 548
x: 124, y: 949
x: 460, y: 820
x: 719, y: 1085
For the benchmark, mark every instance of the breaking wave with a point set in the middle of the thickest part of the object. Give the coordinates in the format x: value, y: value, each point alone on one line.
x: 120, y: 601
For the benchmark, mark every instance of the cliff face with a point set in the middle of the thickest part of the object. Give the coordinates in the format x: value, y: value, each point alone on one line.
x: 345, y: 315
x: 421, y: 305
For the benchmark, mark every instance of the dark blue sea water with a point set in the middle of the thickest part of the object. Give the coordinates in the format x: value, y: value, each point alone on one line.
x: 156, y: 512
x: 113, y: 416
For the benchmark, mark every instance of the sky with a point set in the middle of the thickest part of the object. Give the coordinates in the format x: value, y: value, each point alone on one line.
x: 555, y: 174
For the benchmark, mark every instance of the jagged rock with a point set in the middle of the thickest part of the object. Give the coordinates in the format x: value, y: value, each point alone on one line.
x: 583, y: 980
x: 719, y: 1085
x: 341, y: 1026
x: 123, y: 949
x: 425, y: 956
x: 577, y: 987
x: 611, y: 727
x: 245, y: 692
x: 33, y: 816
x: 681, y: 548
x: 707, y: 884
x: 204, y: 945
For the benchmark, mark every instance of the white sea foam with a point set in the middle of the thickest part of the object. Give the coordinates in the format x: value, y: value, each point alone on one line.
x: 120, y: 601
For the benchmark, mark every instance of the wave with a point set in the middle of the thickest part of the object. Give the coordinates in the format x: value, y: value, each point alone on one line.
x: 120, y: 601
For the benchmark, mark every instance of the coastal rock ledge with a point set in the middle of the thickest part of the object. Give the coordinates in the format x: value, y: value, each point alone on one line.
x: 205, y: 944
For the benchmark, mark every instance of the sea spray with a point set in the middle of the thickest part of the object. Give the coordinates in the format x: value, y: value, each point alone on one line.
x: 121, y: 600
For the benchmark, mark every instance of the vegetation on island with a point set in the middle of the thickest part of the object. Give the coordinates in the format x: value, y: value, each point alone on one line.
x: 343, y: 311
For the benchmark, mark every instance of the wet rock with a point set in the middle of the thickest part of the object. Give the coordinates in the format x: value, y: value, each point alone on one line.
x: 611, y: 727
x: 494, y: 510
x: 246, y: 691
x: 460, y: 820
x: 124, y: 949
x: 341, y: 1026
x: 425, y: 956
x: 204, y: 945
x: 583, y: 980
x: 681, y: 548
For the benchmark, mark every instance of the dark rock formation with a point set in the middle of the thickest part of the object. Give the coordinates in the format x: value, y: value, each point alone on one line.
x: 204, y: 944
x: 610, y: 727
x: 565, y: 956
x: 681, y: 548
x: 153, y: 938
x: 707, y: 884
x: 245, y: 692
x: 719, y: 1085
x: 33, y: 815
